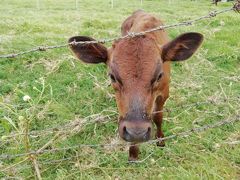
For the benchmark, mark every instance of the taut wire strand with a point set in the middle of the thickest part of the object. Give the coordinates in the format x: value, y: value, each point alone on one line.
x: 183, y: 134
x: 235, y: 7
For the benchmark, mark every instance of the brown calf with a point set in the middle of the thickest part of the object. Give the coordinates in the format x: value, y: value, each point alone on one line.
x: 139, y: 69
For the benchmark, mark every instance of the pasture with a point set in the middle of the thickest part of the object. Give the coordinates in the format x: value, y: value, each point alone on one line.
x: 50, y: 100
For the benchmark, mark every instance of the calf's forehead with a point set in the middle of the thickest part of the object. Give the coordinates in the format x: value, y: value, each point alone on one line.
x: 135, y: 58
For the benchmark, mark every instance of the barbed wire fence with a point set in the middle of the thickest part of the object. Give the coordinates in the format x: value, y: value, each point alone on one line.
x: 235, y: 7
x: 99, y: 117
x: 183, y: 134
x: 48, y: 149
x: 75, y: 126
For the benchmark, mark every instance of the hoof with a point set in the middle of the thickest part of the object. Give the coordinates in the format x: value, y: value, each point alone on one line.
x: 161, y: 144
x: 132, y: 159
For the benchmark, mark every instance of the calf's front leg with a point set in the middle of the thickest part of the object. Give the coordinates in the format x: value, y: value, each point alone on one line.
x: 133, y: 153
x: 158, y: 118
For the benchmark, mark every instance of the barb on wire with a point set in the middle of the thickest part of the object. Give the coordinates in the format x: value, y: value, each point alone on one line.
x: 236, y: 7
x: 181, y: 134
x: 40, y: 48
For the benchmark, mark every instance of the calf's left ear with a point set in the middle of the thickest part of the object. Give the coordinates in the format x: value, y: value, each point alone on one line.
x: 182, y: 47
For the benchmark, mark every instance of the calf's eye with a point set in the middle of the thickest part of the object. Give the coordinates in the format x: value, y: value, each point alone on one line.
x: 113, y: 79
x: 157, y: 78
x: 160, y: 76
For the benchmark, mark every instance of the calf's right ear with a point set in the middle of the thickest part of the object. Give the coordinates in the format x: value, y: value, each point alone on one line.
x: 89, y: 53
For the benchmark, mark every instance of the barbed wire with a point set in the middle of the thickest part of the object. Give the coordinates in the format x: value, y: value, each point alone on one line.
x: 181, y: 134
x: 77, y: 124
x: 68, y: 127
x: 99, y: 117
x: 235, y: 7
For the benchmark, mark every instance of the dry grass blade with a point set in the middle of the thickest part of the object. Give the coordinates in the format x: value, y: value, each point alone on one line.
x: 36, y: 167
x: 13, y: 165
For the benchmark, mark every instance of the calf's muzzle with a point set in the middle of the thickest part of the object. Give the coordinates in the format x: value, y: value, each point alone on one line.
x: 135, y: 130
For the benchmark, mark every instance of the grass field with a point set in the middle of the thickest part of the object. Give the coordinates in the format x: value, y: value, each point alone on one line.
x: 64, y: 91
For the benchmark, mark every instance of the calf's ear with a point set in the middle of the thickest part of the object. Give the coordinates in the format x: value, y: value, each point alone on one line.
x: 88, y: 53
x: 182, y: 47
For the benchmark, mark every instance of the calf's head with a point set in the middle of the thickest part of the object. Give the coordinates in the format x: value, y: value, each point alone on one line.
x: 136, y: 71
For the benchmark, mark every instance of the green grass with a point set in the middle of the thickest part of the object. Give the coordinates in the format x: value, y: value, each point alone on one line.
x: 62, y: 90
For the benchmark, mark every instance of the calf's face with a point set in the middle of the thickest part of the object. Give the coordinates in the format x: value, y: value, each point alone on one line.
x: 136, y: 71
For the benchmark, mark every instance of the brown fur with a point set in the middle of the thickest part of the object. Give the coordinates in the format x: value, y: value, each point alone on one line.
x: 136, y: 60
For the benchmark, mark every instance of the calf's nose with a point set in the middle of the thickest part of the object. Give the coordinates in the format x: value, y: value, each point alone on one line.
x: 136, y: 135
x: 135, y: 132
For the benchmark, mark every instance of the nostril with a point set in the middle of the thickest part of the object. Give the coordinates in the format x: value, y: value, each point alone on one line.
x: 149, y: 129
x: 125, y: 130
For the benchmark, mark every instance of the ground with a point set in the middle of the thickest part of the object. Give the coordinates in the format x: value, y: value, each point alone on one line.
x: 66, y: 103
